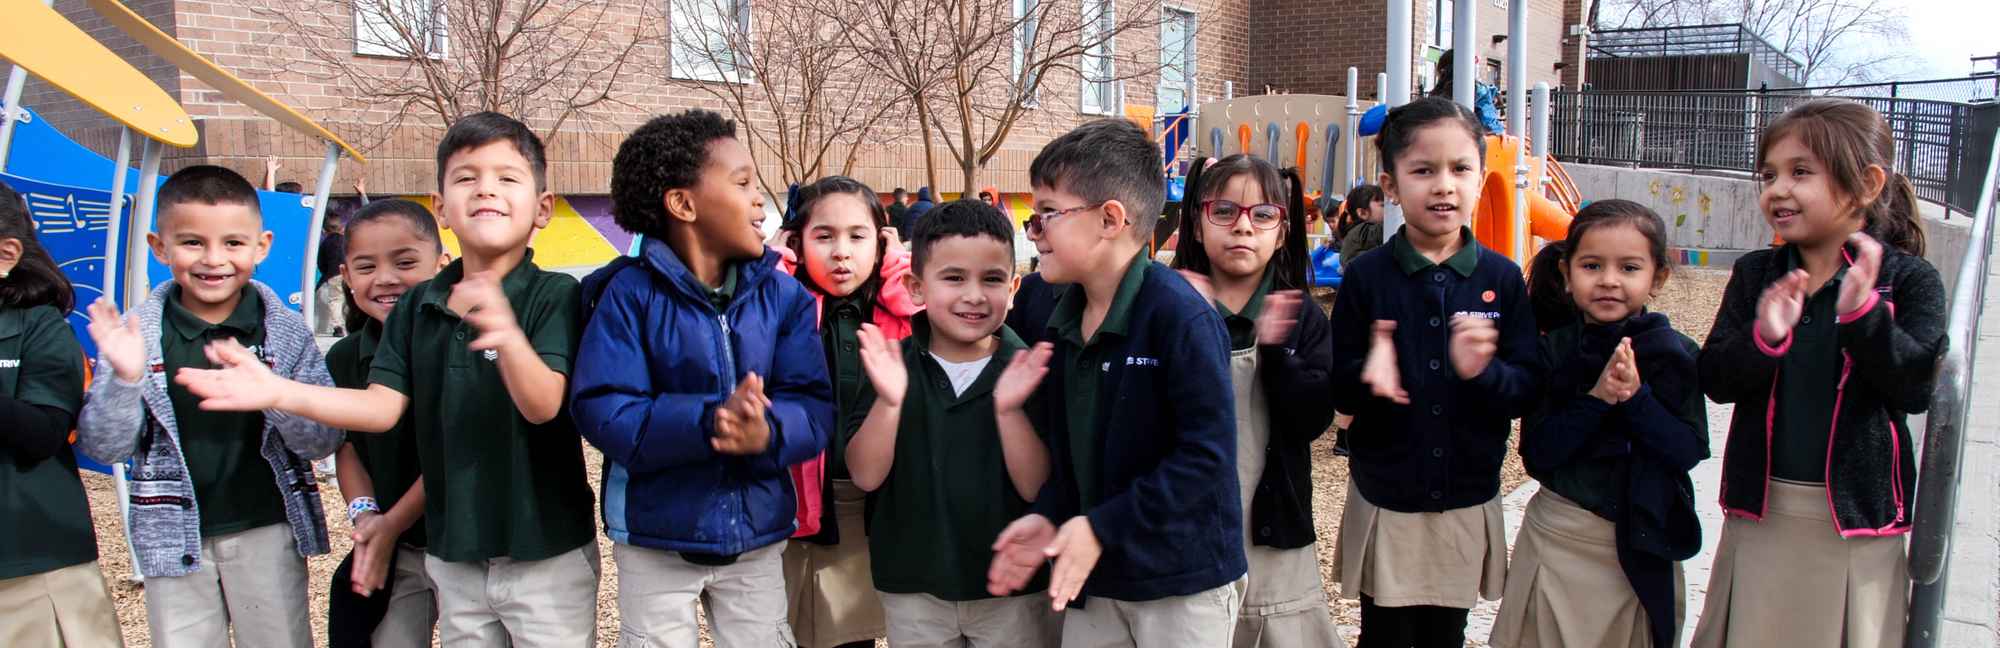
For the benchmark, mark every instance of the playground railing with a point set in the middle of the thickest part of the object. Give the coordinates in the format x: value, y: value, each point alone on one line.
x: 1718, y: 130
x: 1944, y: 435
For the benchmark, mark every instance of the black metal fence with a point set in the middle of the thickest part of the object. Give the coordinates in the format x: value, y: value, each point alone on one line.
x: 1694, y: 40
x: 1718, y: 130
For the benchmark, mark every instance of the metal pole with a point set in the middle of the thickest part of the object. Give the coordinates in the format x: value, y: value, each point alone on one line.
x: 307, y: 282
x: 1517, y: 68
x: 1520, y: 242
x: 1353, y: 129
x: 1540, y: 140
x: 1464, y: 41
x: 17, y: 78
x: 1396, y: 92
x: 114, y: 225
x: 136, y: 285
x: 1944, y: 441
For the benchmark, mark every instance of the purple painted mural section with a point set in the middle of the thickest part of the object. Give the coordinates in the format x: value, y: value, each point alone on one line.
x: 596, y: 210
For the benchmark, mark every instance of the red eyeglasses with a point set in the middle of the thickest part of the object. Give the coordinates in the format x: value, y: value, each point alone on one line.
x: 1225, y: 213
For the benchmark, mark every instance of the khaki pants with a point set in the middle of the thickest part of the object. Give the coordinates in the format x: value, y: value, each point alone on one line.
x: 60, y: 607
x: 251, y: 581
x: 658, y: 591
x: 1198, y: 619
x: 525, y: 604
x: 413, y: 607
x: 925, y: 621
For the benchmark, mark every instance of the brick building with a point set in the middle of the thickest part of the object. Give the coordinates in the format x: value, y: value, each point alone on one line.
x: 1239, y: 46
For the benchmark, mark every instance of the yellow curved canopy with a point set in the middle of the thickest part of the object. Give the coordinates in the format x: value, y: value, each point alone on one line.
x: 201, y: 68
x: 53, y: 49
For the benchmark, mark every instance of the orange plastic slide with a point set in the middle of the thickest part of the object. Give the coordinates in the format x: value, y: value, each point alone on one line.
x: 1548, y: 217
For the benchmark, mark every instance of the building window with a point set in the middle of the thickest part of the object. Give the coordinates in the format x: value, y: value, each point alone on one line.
x: 1027, y: 20
x: 399, y: 28
x: 1177, y: 62
x: 707, y: 36
x: 1100, y: 93
x: 1441, y: 17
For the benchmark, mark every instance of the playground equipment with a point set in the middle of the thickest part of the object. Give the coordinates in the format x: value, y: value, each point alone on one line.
x: 1524, y: 195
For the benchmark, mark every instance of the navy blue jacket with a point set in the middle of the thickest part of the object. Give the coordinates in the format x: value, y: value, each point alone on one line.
x: 1443, y: 450
x: 656, y: 360
x: 1170, y: 518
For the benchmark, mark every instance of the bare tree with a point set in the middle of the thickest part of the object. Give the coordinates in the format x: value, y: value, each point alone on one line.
x: 795, y: 83
x: 545, y: 62
x: 1828, y: 37
x: 973, y: 70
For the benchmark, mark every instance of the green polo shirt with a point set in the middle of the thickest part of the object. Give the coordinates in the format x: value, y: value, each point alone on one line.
x: 1242, y: 325
x: 719, y: 296
x: 234, y: 489
x: 948, y: 494
x: 1084, y: 364
x: 390, y: 458
x: 47, y: 519
x: 840, y: 334
x: 495, y: 485
x: 1808, y: 375
x: 1464, y: 261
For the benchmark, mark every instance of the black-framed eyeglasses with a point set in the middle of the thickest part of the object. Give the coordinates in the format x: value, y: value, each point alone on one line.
x: 1225, y: 213
x: 1039, y: 221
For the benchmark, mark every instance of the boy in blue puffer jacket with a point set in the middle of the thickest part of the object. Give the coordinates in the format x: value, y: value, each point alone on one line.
x: 701, y: 378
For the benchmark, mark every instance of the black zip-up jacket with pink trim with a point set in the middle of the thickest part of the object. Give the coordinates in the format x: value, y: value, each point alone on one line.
x: 1890, y: 348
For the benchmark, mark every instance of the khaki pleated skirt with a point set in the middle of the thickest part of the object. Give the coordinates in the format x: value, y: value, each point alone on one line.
x: 1791, y: 580
x: 1565, y: 588
x: 1448, y: 559
x: 1284, y: 605
x: 832, y: 589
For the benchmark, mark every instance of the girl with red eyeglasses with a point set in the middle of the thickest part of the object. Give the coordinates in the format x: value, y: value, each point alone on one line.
x: 1242, y: 242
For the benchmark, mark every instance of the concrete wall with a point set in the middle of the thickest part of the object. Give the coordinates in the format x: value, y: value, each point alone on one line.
x: 1720, y: 213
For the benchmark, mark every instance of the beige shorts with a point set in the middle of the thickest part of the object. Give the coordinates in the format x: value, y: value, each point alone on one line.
x: 526, y: 604
x: 253, y: 582
x: 1199, y: 619
x: 658, y: 591
x: 925, y: 621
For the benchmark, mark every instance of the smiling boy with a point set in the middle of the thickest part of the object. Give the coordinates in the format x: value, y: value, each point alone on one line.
x: 511, y: 541
x: 224, y: 507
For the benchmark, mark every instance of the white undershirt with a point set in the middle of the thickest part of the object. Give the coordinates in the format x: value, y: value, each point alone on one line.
x: 961, y: 373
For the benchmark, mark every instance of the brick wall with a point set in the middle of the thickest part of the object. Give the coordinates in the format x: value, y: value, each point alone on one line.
x: 262, y: 46
x: 1306, y: 46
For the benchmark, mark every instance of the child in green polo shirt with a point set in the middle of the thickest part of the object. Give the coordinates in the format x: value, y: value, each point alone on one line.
x: 223, y: 505
x: 947, y: 475
x: 511, y: 546
x: 51, y: 592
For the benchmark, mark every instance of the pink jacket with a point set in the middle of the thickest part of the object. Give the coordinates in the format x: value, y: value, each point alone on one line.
x: 893, y: 309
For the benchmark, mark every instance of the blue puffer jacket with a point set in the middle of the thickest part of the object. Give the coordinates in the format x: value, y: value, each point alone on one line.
x: 655, y: 362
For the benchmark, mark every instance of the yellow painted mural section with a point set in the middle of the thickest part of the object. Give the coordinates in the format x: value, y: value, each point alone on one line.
x: 568, y: 241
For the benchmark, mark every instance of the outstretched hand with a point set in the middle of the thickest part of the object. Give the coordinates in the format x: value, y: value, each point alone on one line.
x: 240, y: 382
x: 120, y: 340
x: 1380, y: 371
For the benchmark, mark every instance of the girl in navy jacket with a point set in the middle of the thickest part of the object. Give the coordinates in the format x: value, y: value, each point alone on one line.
x: 1245, y: 240
x: 1620, y: 424
x: 1825, y: 345
x: 1434, y: 351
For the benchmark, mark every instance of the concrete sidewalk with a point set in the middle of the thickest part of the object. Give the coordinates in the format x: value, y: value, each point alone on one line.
x: 1972, y: 600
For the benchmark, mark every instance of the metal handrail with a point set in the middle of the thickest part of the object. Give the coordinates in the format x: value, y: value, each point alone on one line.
x: 1944, y: 438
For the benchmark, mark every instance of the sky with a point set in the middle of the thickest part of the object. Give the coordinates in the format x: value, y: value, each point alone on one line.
x: 1943, y: 33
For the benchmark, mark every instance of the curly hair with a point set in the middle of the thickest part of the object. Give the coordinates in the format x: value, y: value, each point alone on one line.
x: 666, y: 153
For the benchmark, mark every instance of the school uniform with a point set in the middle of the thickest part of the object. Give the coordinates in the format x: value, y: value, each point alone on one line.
x: 404, y: 612
x: 1281, y: 406
x: 1597, y: 561
x: 224, y: 506
x: 945, y: 499
x: 51, y: 592
x: 1422, y: 528
x: 1141, y: 427
x: 509, y: 546
x: 660, y: 352
x: 1819, y: 470
x: 831, y: 598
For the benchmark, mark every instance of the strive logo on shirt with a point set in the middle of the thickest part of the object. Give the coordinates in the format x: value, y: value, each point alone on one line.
x: 10, y: 363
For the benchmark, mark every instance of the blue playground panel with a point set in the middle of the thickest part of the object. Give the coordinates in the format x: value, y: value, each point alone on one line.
x: 1326, y: 267
x: 67, y: 188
